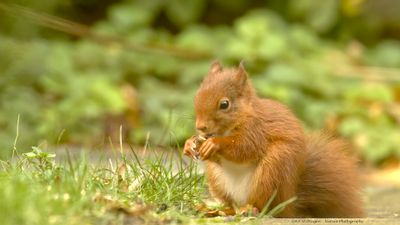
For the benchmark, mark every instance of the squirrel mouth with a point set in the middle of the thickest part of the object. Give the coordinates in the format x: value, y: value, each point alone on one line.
x: 209, y: 135
x: 206, y: 135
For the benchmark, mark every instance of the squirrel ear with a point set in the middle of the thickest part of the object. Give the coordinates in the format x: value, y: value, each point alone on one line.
x: 216, y: 67
x: 241, y: 74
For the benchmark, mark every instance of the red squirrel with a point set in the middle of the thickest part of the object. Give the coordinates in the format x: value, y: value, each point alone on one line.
x: 254, y: 146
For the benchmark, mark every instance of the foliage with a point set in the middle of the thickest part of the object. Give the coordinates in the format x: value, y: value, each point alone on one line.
x: 334, y: 67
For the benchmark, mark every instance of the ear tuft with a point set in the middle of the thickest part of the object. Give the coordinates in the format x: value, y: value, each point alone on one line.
x: 241, y: 74
x: 216, y: 67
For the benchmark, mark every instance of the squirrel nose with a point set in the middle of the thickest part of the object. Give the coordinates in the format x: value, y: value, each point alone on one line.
x: 201, y: 127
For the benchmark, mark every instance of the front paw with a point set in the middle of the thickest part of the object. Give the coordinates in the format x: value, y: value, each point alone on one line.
x: 208, y: 149
x: 248, y: 210
x: 190, y: 148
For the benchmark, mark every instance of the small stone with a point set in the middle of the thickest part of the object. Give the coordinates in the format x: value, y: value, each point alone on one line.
x: 163, y: 207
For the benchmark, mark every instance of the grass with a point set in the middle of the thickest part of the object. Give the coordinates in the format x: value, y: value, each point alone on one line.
x: 34, y: 189
x: 37, y: 189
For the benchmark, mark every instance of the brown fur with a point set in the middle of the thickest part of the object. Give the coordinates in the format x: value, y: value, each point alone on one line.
x: 266, y: 134
x: 330, y: 183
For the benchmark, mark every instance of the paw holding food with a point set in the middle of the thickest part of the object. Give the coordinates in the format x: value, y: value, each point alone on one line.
x: 207, y: 149
x: 192, y: 146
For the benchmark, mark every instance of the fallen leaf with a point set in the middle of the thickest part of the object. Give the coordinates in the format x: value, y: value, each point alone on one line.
x: 207, y: 212
x: 137, y: 210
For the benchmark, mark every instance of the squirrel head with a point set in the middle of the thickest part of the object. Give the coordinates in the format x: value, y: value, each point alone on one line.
x: 223, y: 100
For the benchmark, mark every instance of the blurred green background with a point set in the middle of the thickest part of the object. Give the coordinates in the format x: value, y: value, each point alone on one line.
x: 336, y: 63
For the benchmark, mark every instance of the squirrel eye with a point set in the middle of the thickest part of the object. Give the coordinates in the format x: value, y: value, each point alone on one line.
x: 224, y: 104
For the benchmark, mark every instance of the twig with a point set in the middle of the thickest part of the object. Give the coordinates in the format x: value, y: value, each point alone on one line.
x: 80, y: 30
x: 121, y: 148
x: 14, y: 152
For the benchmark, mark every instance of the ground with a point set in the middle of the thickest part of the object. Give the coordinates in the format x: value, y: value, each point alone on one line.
x: 383, y: 193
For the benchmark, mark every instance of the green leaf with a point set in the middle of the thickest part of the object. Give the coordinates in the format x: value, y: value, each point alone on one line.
x: 128, y: 16
x: 182, y: 12
x: 29, y: 154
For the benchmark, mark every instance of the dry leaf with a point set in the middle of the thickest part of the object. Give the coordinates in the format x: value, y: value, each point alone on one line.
x: 137, y: 210
x: 207, y: 212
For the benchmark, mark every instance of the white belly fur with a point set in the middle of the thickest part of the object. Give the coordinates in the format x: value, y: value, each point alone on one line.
x: 235, y: 179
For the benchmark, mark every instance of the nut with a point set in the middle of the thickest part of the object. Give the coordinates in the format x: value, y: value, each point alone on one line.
x: 196, y: 143
x: 201, y: 138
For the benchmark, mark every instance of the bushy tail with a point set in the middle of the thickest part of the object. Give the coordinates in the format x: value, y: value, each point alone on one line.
x: 331, y: 182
